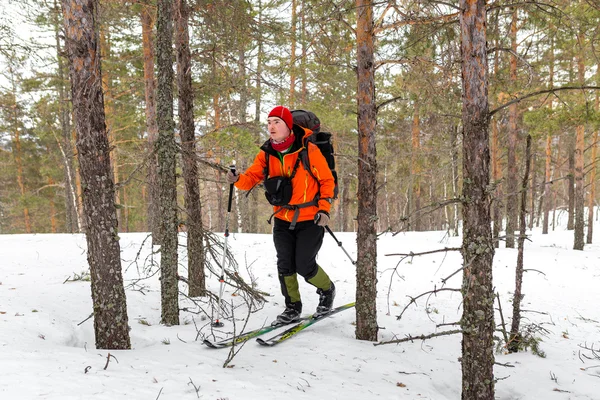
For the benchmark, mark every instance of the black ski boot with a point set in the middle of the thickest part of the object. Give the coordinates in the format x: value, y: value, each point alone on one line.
x: 325, y: 301
x: 291, y: 314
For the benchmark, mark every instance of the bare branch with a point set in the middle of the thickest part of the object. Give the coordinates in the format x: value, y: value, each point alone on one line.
x: 411, y: 338
x: 539, y: 92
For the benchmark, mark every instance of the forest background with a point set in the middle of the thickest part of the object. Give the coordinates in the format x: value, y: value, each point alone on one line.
x: 249, y: 56
x: 515, y: 85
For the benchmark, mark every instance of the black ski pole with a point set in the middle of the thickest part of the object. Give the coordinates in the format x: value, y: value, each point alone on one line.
x: 218, y: 322
x: 340, y: 244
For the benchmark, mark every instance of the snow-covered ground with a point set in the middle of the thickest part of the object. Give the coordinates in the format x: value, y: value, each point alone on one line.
x: 45, y: 353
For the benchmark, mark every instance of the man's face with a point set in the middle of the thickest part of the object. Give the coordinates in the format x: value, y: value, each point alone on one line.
x: 277, y: 129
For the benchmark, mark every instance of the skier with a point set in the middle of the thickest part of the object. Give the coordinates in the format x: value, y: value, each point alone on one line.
x: 301, y: 204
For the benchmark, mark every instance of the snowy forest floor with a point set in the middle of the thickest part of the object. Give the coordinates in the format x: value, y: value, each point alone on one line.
x: 47, y: 353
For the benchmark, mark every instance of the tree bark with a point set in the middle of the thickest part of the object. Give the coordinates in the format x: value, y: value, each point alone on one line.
x: 532, y: 213
x: 579, y: 239
x: 195, y: 246
x: 366, y: 268
x: 515, y: 337
x: 548, y: 164
x: 511, y: 178
x: 72, y: 214
x: 578, y: 242
x: 571, y: 144
x: 496, y: 167
x: 259, y: 66
x: 18, y: 156
x: 152, y: 210
x: 415, y: 198
x: 108, y: 294
x: 110, y: 115
x: 167, y: 155
x: 477, y: 322
x: 592, y: 194
x: 496, y: 177
x: 293, y: 57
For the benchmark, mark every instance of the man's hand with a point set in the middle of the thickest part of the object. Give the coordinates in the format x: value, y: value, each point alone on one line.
x: 232, y: 177
x: 321, y: 218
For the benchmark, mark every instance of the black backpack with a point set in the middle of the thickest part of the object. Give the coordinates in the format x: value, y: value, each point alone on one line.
x: 309, y: 120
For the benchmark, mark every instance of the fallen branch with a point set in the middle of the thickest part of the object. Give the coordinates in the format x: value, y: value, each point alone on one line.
x: 411, y: 338
x: 411, y: 254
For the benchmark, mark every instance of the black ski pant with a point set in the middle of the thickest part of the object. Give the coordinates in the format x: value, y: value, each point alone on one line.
x: 296, y: 254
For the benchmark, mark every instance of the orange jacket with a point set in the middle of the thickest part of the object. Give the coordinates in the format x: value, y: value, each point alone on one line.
x: 304, y: 186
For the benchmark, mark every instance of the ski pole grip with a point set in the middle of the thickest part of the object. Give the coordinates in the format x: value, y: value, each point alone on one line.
x: 232, y: 169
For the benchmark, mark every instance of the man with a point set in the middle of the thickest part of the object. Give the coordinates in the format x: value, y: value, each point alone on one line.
x: 301, y: 203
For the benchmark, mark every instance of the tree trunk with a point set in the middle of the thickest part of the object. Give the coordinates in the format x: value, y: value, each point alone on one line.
x: 304, y: 50
x: 18, y: 156
x: 366, y: 268
x: 415, y: 199
x: 515, y: 337
x: 259, y: 65
x: 110, y: 115
x: 477, y: 322
x: 532, y: 213
x: 167, y: 155
x: 53, y: 223
x: 108, y: 294
x: 345, y: 205
x: 293, y: 56
x: 548, y: 172
x: 579, y: 189
x: 571, y: 181
x: 152, y: 210
x: 78, y: 187
x: 547, y: 185
x: 579, y: 239
x: 72, y: 214
x: 511, y: 179
x: 195, y: 246
x: 455, y: 178
x: 242, y: 84
x: 496, y: 167
x: 496, y: 177
x: 592, y: 194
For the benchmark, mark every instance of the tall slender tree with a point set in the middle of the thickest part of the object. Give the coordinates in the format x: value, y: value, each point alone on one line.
x: 512, y: 204
x: 72, y: 214
x: 195, y: 246
x: 477, y: 322
x: 108, y: 294
x: 578, y: 242
x: 167, y: 156
x: 366, y: 268
x: 152, y: 213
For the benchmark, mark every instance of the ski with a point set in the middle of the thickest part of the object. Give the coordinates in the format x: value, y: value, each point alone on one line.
x: 301, y: 326
x: 246, y: 336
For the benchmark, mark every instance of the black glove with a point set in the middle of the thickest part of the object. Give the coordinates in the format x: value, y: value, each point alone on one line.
x: 322, y: 218
x: 232, y: 177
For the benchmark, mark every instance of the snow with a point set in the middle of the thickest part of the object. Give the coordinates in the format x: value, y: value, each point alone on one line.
x: 47, y: 352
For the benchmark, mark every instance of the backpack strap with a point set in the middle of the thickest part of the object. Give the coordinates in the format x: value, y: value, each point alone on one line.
x: 306, y: 163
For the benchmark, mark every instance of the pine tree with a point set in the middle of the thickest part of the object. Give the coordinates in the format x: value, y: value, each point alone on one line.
x: 477, y: 322
x: 167, y: 155
x: 108, y: 294
x: 366, y: 268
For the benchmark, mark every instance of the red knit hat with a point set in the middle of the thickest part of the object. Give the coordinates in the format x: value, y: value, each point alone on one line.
x: 283, y: 113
